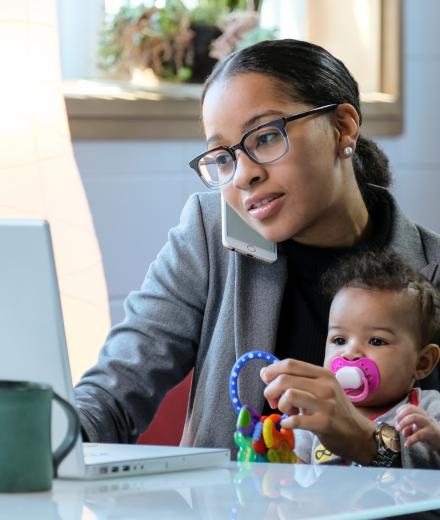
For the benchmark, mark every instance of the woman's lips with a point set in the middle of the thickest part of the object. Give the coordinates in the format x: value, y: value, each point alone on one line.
x: 266, y: 207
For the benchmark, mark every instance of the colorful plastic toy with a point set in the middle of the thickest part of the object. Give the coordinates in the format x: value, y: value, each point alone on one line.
x: 259, y: 438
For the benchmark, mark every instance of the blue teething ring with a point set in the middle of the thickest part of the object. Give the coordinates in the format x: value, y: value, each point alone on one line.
x: 239, y: 364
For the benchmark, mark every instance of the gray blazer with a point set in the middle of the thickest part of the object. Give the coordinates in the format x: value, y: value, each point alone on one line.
x: 202, y: 306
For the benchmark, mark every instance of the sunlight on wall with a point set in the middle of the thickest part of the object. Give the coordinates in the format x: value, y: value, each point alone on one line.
x: 38, y: 174
x: 352, y: 33
x: 350, y: 29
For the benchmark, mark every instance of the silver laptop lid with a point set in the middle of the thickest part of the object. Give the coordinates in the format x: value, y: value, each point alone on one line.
x: 33, y: 347
x: 32, y: 340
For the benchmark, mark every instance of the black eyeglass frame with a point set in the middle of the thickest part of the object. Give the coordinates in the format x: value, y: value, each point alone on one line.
x: 279, y: 123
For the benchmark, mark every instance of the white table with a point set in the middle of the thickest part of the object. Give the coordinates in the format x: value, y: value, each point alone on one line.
x: 251, y: 492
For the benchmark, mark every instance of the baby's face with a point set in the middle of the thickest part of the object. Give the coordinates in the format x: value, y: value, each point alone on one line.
x: 383, y: 326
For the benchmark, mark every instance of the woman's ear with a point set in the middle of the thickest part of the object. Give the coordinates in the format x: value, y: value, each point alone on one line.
x: 348, y: 129
x: 428, y: 359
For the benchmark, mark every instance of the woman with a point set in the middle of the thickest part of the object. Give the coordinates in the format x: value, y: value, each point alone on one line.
x: 308, y: 182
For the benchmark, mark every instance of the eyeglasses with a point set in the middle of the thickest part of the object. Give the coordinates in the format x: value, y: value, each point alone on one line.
x: 263, y: 145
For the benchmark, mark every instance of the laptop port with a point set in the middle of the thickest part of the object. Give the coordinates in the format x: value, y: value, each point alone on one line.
x: 115, y: 469
x: 103, y: 470
x: 125, y: 468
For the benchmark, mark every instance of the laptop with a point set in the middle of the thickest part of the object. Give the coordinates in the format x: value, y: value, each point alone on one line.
x: 33, y: 347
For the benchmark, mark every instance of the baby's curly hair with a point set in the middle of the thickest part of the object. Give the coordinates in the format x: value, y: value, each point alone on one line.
x: 377, y: 270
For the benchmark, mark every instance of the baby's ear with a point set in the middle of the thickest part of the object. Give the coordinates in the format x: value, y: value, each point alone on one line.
x: 428, y: 358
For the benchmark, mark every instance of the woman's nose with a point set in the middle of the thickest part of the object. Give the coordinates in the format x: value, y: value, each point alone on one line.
x: 247, y: 172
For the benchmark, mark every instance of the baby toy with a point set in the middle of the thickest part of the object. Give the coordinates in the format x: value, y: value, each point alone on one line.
x: 259, y: 438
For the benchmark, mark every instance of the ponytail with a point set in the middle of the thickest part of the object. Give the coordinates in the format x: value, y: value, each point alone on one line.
x: 371, y: 165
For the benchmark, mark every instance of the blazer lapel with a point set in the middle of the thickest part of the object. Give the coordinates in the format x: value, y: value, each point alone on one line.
x: 259, y: 293
x: 431, y: 273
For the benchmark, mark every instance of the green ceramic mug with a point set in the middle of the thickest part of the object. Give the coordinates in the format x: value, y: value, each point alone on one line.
x: 26, y: 459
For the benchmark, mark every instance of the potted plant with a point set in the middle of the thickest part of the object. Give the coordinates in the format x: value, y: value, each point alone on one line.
x: 175, y: 42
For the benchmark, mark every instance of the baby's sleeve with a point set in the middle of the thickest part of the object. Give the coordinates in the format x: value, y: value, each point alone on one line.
x: 304, y: 444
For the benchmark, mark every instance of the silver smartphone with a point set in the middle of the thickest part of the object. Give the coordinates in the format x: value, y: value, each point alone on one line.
x: 238, y: 236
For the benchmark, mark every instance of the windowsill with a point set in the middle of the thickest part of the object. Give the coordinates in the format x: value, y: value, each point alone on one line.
x: 107, y: 109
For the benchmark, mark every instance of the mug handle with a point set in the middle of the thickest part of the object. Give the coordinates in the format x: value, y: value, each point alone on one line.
x: 73, y: 429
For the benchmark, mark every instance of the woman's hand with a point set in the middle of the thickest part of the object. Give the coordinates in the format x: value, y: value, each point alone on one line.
x: 315, y: 401
x: 417, y: 426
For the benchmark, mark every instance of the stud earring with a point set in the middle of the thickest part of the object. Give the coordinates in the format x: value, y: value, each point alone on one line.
x: 348, y: 151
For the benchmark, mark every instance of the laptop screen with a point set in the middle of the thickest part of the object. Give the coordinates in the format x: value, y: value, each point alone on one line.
x: 32, y: 340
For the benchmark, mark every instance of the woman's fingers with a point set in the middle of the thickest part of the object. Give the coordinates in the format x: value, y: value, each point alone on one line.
x: 294, y: 385
x: 314, y: 423
x: 294, y: 399
x: 292, y: 367
x: 290, y: 375
x: 323, y: 388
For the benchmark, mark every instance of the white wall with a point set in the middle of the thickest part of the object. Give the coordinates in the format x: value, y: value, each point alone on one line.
x: 137, y: 189
x: 80, y: 23
x: 415, y: 155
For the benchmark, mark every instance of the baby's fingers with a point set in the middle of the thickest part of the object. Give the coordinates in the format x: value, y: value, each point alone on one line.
x: 408, y: 430
x: 405, y: 410
x: 419, y: 434
x: 412, y: 420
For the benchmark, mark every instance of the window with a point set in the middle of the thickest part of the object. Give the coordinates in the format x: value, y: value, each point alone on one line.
x: 365, y: 34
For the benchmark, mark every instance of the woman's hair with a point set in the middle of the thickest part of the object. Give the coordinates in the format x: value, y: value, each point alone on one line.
x: 308, y: 73
x: 378, y: 270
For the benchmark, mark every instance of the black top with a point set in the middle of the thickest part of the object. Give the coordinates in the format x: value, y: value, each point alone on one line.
x: 302, y: 329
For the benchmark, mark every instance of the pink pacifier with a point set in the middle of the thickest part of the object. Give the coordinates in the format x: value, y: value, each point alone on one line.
x: 359, y: 378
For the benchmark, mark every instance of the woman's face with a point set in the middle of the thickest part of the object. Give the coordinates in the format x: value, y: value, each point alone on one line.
x: 302, y: 194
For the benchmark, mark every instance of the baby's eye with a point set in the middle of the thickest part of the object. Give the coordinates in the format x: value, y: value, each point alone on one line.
x: 377, y: 342
x: 339, y: 340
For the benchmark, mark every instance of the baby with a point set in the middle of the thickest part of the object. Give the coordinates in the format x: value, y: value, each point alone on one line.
x: 383, y: 338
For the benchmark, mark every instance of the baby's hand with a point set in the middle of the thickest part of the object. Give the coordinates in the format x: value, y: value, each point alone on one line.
x: 417, y: 426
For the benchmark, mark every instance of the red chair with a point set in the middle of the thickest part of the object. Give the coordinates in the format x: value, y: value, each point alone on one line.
x: 162, y: 431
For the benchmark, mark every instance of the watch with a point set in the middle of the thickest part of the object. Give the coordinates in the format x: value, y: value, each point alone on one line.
x: 388, y: 446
